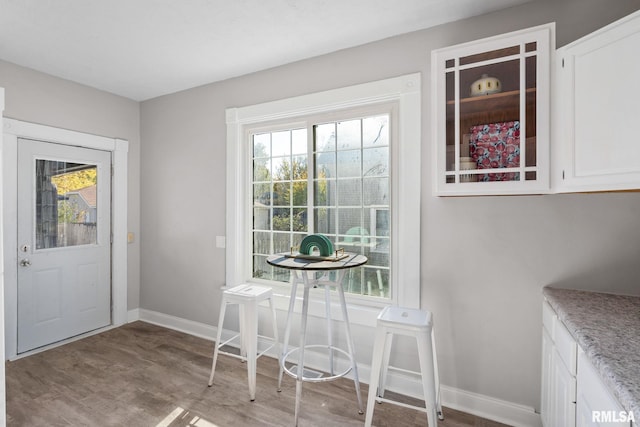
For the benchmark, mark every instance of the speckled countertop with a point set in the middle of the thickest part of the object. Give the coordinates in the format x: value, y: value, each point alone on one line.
x: 607, y: 328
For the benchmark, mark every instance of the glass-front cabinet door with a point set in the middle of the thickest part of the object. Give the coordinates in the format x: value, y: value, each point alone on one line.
x: 491, y: 114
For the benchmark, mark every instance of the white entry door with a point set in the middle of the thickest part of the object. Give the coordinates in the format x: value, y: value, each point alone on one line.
x: 64, y: 229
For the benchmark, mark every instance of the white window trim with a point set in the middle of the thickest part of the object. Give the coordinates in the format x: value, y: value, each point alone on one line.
x: 405, y: 182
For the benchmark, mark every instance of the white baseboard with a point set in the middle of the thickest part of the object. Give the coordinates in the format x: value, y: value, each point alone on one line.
x: 472, y: 403
x: 489, y: 407
x: 133, y: 315
x: 179, y: 324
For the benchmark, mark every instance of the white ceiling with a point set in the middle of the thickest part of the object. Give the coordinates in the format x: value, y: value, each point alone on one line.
x: 141, y: 49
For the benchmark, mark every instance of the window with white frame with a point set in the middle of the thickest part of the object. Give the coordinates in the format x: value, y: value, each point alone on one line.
x: 344, y: 163
x: 330, y: 177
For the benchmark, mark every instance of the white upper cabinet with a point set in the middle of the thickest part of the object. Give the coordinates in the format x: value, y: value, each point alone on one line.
x: 597, y: 101
x: 491, y: 114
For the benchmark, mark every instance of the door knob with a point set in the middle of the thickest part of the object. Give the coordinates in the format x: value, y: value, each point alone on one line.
x: 25, y: 263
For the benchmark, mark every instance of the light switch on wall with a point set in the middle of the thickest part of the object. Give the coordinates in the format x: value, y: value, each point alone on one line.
x: 221, y: 242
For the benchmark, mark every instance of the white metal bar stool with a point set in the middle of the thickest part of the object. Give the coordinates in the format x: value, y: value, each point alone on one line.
x: 248, y: 297
x: 418, y: 324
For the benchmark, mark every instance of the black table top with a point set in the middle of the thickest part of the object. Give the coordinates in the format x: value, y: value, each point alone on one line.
x: 282, y: 261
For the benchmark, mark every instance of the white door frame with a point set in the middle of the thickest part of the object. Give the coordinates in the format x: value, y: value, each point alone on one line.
x: 3, y: 404
x: 14, y: 129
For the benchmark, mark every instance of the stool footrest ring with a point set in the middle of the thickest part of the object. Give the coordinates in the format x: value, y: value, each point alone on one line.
x: 292, y: 371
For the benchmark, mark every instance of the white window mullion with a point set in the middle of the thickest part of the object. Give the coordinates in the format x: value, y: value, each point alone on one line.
x: 311, y: 182
x: 456, y: 115
x: 336, y: 197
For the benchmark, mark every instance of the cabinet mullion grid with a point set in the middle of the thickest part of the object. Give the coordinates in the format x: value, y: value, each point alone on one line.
x: 523, y: 112
x: 522, y: 57
x: 456, y: 118
x: 524, y: 133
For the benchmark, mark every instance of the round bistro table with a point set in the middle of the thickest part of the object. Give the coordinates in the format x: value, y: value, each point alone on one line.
x: 304, y: 271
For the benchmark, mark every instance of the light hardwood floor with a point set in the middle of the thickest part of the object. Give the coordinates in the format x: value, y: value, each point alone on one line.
x: 145, y: 375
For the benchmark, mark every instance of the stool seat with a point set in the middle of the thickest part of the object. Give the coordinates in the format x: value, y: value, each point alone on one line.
x: 408, y: 322
x: 248, y: 292
x: 405, y: 318
x: 247, y: 297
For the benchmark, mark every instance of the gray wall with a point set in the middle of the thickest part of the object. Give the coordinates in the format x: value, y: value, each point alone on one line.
x: 485, y: 293
x: 35, y: 97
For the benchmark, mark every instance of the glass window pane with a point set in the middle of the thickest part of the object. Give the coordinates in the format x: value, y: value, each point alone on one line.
x: 484, y: 56
x: 262, y: 145
x: 325, y: 192
x: 280, y: 275
x: 261, y: 269
x: 261, y: 218
x: 349, y: 192
x: 376, y: 191
x: 279, y: 184
x: 282, y: 219
x: 299, y: 141
x: 530, y: 140
x: 299, y: 220
x: 66, y: 204
x: 375, y: 131
x: 325, y: 137
x: 262, y: 194
x: 352, y: 281
x: 281, y: 242
x: 325, y: 220
x: 281, y: 169
x: 261, y: 169
x: 531, y: 70
x: 375, y: 161
x: 350, y: 219
x: 297, y: 239
x: 299, y: 193
x: 281, y: 194
x: 380, y: 224
x: 349, y: 206
x: 298, y: 168
x: 376, y: 282
x: 325, y: 165
x: 450, y: 120
x: 488, y: 79
x: 281, y: 143
x: 262, y: 243
x: 349, y: 163
x: 349, y: 135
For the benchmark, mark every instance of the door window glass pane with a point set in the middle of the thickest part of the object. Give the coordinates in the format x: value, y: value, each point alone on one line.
x: 66, y: 204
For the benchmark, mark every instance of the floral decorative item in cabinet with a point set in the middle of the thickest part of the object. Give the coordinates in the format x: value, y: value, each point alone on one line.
x: 496, y: 145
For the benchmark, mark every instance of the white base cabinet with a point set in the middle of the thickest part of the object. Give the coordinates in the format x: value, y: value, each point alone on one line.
x: 596, y: 89
x: 559, y: 368
x: 595, y: 406
x: 572, y: 392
